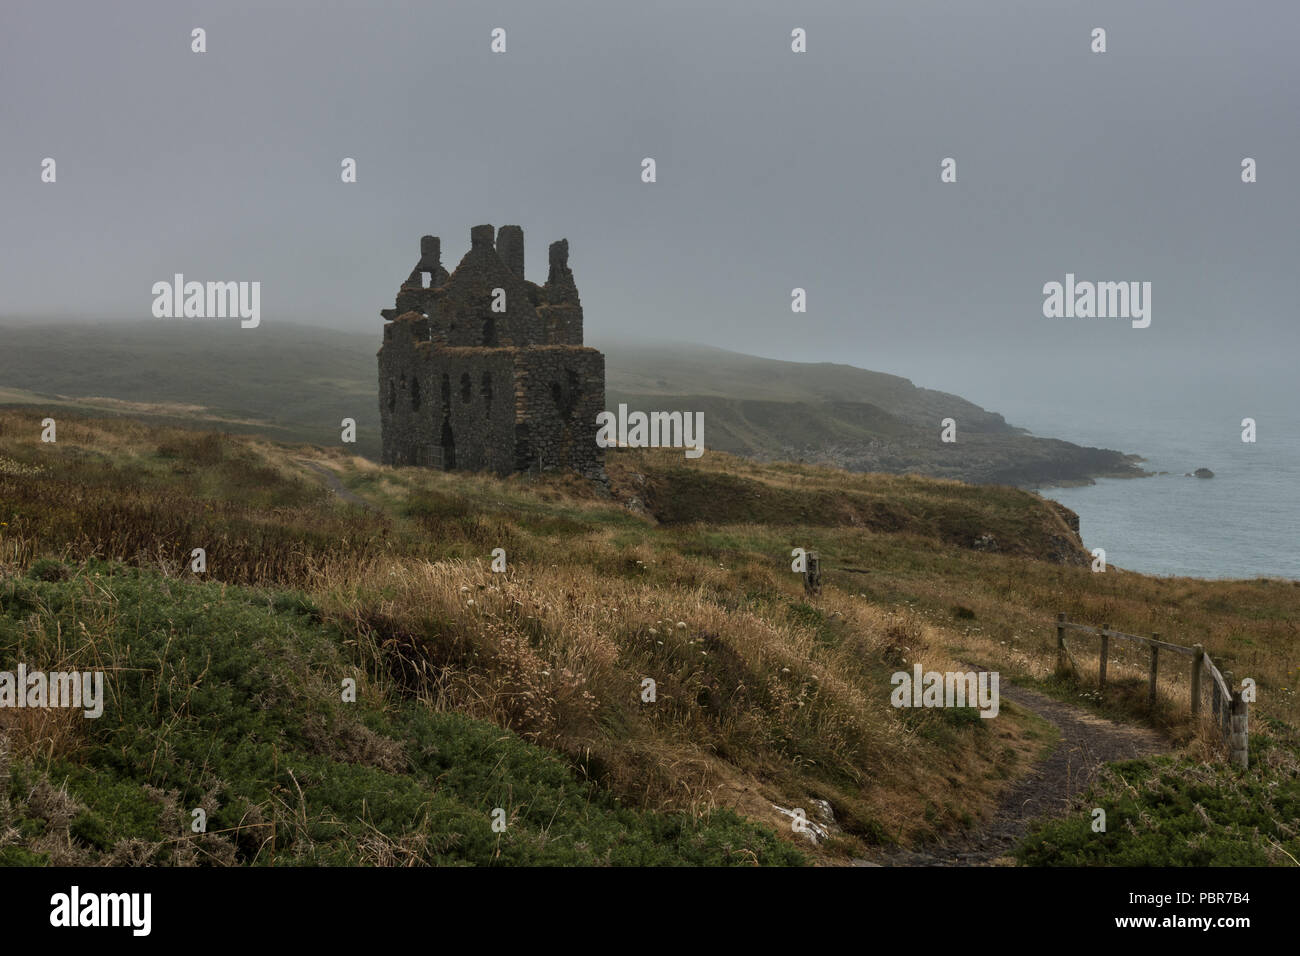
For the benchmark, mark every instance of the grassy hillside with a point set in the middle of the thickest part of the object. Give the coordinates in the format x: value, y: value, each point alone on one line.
x: 826, y: 413
x: 296, y: 383
x: 718, y: 373
x: 524, y: 689
x: 227, y: 700
x: 285, y: 381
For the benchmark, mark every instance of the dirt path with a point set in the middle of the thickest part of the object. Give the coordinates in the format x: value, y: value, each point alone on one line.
x: 1087, y: 741
x: 335, y: 485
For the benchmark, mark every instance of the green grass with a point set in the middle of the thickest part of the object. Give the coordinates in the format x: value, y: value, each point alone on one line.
x: 768, y: 696
x: 230, y: 700
x: 1172, y: 811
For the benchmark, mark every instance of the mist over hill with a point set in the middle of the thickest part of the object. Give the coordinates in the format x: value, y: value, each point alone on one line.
x: 841, y: 415
x: 297, y: 382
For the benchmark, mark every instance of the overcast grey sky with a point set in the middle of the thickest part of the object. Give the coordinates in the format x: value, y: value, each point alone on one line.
x: 775, y: 169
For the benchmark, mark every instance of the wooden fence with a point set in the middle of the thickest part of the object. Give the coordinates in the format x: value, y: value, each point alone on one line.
x: 1228, y: 710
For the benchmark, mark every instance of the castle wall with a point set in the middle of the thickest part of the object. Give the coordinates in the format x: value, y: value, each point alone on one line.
x: 559, y: 391
x: 464, y: 387
x: 560, y: 324
x: 560, y: 310
x: 472, y: 425
x: 398, y: 371
x: 510, y: 247
x: 462, y: 313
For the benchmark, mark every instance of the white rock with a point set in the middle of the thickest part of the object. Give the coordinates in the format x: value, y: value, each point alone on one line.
x: 815, y: 832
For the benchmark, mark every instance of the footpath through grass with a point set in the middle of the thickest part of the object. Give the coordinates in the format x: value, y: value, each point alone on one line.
x: 522, y: 690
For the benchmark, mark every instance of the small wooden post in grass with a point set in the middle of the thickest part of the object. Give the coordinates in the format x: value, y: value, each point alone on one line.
x: 1225, y: 712
x: 1105, y: 653
x: 1060, y: 643
x: 1155, y: 663
x: 1198, y: 664
x: 1238, y: 741
x: 1214, y: 700
x: 812, y: 575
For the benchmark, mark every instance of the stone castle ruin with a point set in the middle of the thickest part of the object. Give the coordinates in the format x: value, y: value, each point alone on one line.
x: 483, y: 370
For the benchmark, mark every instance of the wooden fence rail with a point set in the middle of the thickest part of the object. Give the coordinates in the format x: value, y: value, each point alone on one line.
x: 1228, y: 710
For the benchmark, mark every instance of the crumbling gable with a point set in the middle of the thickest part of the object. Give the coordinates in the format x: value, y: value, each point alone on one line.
x: 483, y: 370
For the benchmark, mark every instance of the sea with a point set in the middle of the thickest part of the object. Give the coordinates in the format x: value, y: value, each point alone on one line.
x: 1242, y: 523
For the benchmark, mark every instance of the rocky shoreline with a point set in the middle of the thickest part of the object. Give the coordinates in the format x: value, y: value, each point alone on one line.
x: 1005, y: 458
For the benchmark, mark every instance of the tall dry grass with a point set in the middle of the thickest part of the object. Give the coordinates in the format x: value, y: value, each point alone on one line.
x: 763, y: 696
x: 559, y: 653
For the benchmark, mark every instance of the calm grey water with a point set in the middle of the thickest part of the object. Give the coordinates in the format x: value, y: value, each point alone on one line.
x: 1181, y: 413
x: 1243, y: 523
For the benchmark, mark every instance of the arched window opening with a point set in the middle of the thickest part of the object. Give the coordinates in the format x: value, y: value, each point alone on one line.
x: 448, y: 447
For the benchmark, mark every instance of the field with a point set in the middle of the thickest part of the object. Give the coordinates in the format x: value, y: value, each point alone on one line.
x: 525, y: 689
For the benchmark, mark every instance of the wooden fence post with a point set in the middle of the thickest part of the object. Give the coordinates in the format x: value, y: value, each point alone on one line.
x: 1225, y: 712
x: 1155, y: 663
x: 1230, y: 712
x: 812, y: 575
x: 1198, y: 664
x: 1238, y: 740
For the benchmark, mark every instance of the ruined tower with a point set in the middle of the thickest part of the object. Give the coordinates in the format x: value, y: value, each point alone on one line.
x: 483, y: 370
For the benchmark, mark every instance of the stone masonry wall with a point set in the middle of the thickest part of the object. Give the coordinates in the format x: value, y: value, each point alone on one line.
x: 399, y: 422
x: 464, y: 387
x: 472, y: 424
x: 559, y: 391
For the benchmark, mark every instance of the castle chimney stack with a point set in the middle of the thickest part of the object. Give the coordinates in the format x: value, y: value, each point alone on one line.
x: 559, y: 252
x: 510, y: 247
x: 430, y: 254
x: 480, y: 237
